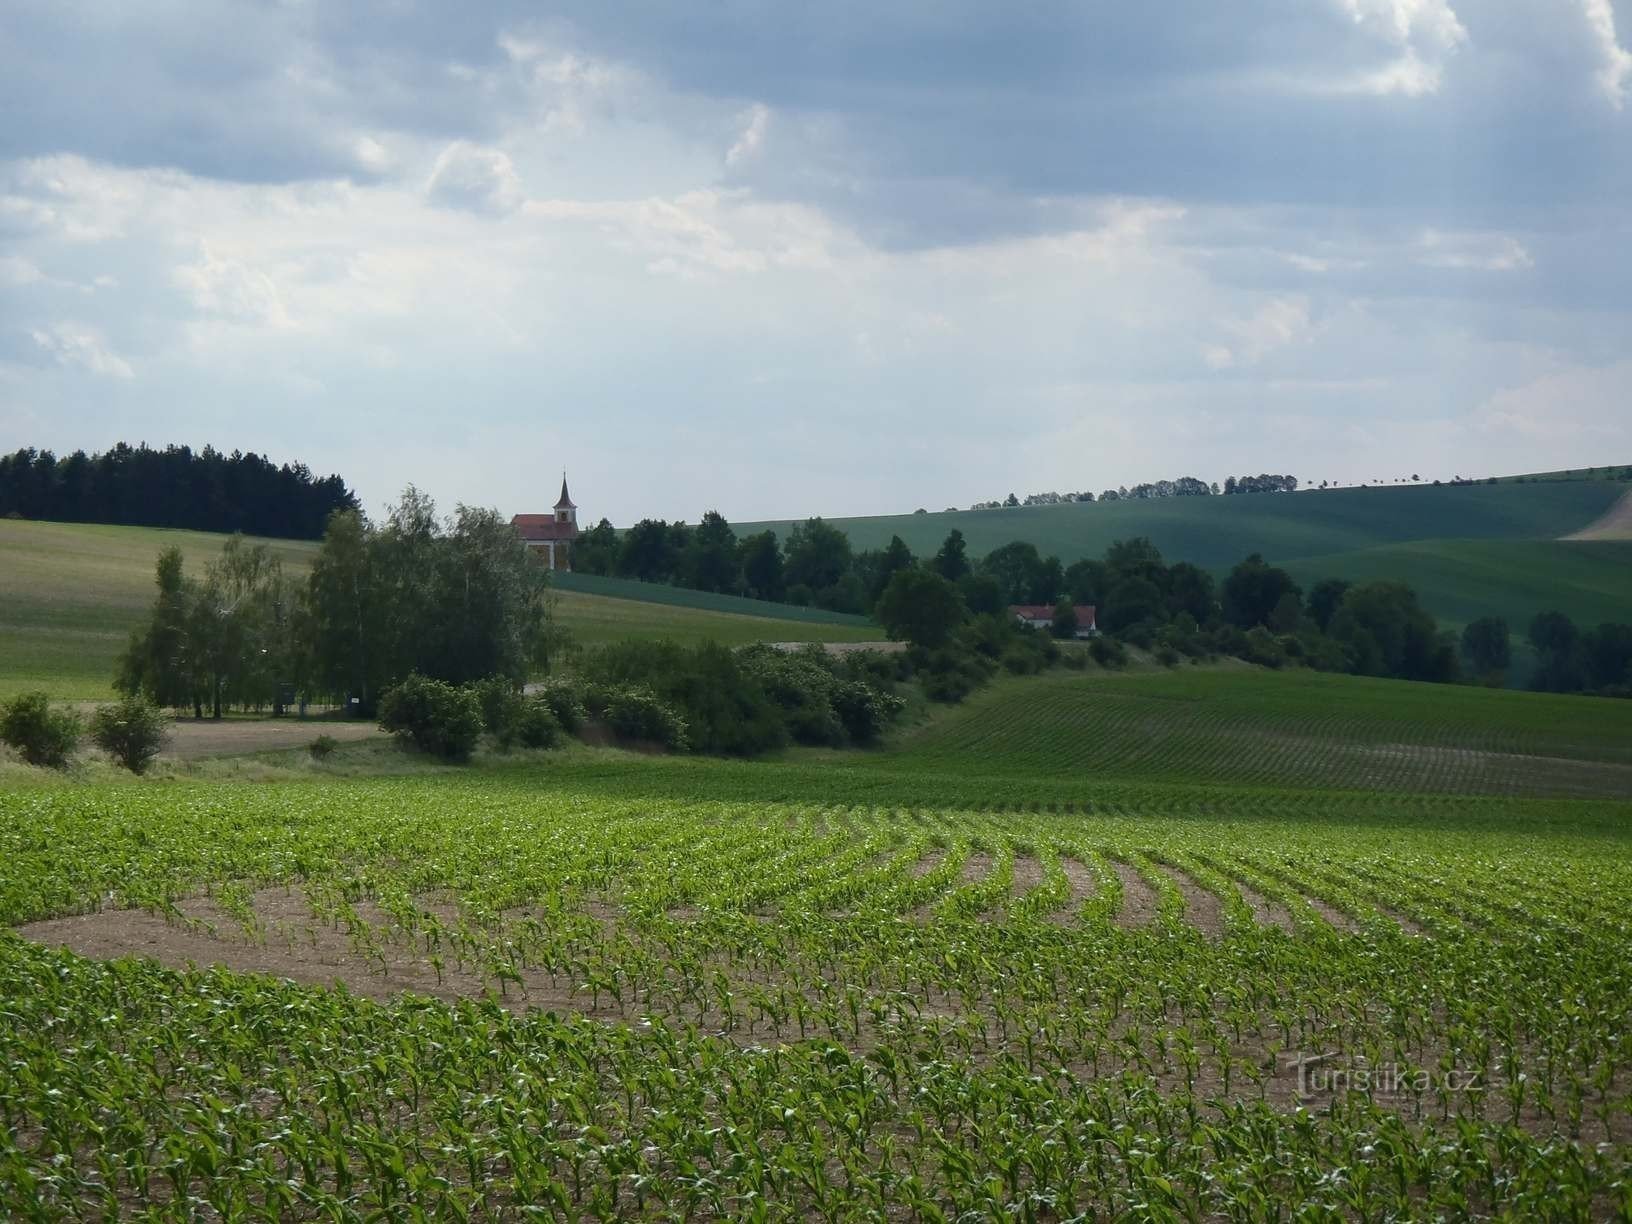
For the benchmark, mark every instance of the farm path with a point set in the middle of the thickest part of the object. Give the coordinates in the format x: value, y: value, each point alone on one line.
x: 1614, y: 524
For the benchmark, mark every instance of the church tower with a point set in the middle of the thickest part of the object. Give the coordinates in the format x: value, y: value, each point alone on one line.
x: 551, y: 535
x: 565, y: 511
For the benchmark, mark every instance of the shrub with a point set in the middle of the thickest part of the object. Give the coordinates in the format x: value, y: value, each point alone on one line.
x: 636, y: 713
x: 323, y: 747
x: 131, y: 731
x: 502, y: 706
x: 566, y: 701
x: 437, y: 718
x: 1263, y: 648
x: 536, y: 726
x: 1108, y: 652
x: 864, y: 711
x: 42, y: 736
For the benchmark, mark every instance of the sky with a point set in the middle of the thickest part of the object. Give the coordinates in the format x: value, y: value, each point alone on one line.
x: 847, y: 258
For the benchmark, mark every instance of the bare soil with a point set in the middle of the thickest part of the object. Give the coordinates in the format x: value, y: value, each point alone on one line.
x: 1082, y: 887
x: 379, y: 960
x: 1264, y: 911
x: 1202, y: 908
x: 191, y: 740
x: 1614, y: 524
x: 1138, y: 898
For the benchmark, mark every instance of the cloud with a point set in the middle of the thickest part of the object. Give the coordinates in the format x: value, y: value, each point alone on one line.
x: 1404, y: 22
x: 757, y: 121
x: 1615, y: 67
x: 232, y: 289
x: 1472, y: 251
x: 475, y: 178
x: 77, y: 347
x: 1274, y: 325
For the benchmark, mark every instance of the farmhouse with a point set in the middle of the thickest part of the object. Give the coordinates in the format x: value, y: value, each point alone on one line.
x: 1041, y: 616
x: 551, y: 534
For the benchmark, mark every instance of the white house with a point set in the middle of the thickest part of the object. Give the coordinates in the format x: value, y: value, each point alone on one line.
x: 1041, y: 616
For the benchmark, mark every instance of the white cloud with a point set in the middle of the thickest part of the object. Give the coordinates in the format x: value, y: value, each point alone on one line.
x: 756, y: 123
x: 73, y: 345
x: 1404, y: 22
x: 1276, y: 324
x: 16, y: 272
x: 1615, y: 70
x: 1472, y: 252
x: 1424, y: 32
x: 232, y: 289
x: 476, y: 178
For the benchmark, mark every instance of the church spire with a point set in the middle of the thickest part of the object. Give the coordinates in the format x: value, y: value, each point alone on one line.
x: 566, y: 502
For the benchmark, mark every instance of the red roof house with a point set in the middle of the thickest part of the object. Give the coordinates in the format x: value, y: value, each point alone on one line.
x: 1041, y: 616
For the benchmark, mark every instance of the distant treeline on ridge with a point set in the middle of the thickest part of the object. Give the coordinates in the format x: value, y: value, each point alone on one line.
x: 175, y: 487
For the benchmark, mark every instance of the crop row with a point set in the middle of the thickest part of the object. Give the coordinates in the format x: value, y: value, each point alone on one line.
x: 778, y: 1010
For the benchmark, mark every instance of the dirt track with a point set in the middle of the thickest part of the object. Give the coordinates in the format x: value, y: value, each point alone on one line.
x: 1614, y: 524
x: 191, y: 740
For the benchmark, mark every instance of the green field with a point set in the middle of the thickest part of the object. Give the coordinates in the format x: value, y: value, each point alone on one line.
x: 71, y: 593
x: 1305, y: 729
x: 1472, y: 550
x: 706, y: 601
x: 1011, y: 967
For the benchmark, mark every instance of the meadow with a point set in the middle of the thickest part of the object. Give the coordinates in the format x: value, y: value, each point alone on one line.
x: 71, y: 592
x: 965, y: 976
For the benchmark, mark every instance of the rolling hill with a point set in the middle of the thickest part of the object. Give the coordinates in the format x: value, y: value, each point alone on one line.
x: 1471, y: 550
x: 71, y: 592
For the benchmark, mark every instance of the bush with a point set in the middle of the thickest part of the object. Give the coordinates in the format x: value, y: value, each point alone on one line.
x: 1108, y: 652
x: 323, y: 747
x: 864, y: 711
x: 566, y: 701
x: 502, y: 707
x: 42, y: 736
x: 1167, y: 656
x: 536, y: 726
x: 636, y: 713
x: 1263, y: 648
x: 437, y: 718
x: 131, y: 731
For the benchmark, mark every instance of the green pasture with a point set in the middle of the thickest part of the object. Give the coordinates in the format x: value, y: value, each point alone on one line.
x: 71, y: 592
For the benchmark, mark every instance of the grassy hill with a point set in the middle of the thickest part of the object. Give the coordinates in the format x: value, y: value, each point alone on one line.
x: 1246, y: 726
x: 1471, y: 550
x: 72, y: 592
x: 1218, y: 531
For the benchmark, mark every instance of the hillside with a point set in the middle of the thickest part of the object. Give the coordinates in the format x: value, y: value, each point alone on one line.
x: 72, y: 593
x: 1218, y: 531
x: 1456, y: 543
x: 1246, y: 726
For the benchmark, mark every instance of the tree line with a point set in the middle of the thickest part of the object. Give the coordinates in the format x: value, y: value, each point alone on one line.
x: 455, y: 600
x: 1184, y: 486
x: 175, y: 487
x: 1569, y: 659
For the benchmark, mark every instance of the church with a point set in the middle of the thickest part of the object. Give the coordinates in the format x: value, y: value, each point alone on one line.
x: 551, y: 534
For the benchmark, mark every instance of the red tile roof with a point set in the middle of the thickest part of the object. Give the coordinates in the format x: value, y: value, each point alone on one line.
x: 539, y: 527
x: 1085, y: 612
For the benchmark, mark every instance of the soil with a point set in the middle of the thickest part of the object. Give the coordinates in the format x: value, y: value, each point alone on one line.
x: 192, y: 739
x: 290, y: 942
x: 1264, y: 911
x: 1138, y: 898
x: 1082, y: 887
x: 1202, y: 908
x: 1614, y: 524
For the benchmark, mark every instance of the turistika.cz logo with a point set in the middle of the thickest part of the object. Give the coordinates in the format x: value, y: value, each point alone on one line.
x: 1318, y: 1075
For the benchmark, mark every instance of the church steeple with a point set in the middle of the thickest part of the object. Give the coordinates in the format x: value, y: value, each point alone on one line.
x: 565, y: 511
